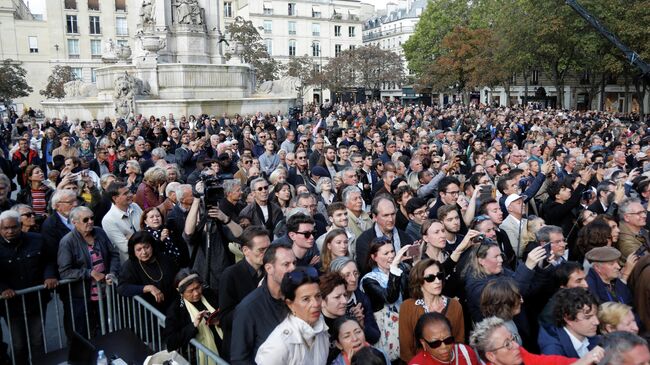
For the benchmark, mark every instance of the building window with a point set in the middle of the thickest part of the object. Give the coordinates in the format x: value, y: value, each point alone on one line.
x: 337, y: 30
x: 93, y: 5
x: 71, y: 24
x: 535, y: 77
x: 291, y: 11
x: 227, y: 9
x: 122, y: 42
x: 70, y: 4
x: 352, y: 31
x: 33, y: 44
x: 337, y: 50
x: 315, y: 29
x: 269, y: 46
x: 73, y: 48
x: 315, y: 49
x: 268, y: 26
x: 120, y: 5
x: 268, y: 9
x: 352, y: 46
x: 93, y: 75
x: 77, y: 72
x: 292, y: 28
x: 94, y: 25
x: 120, y: 26
x: 317, y: 68
x: 315, y: 12
x: 95, y: 48
x: 513, y: 80
x: 292, y: 47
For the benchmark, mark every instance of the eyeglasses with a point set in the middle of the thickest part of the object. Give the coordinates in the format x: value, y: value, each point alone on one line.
x: 643, y: 212
x: 88, y: 219
x: 298, y: 276
x: 435, y: 161
x: 247, y: 162
x: 121, y: 150
x: 431, y: 278
x: 420, y: 212
x: 510, y: 344
x: 437, y: 343
x: 166, y: 145
x: 457, y: 192
x: 263, y: 188
x: 28, y: 215
x: 307, y: 234
x: 302, y: 157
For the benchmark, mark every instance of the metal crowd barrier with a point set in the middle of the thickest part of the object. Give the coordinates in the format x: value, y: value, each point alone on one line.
x: 115, y: 312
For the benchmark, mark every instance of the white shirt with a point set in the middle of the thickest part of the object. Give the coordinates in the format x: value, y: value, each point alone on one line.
x: 120, y: 225
x: 581, y: 347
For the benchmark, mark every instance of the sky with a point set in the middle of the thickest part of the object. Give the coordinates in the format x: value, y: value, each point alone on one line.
x: 379, y: 4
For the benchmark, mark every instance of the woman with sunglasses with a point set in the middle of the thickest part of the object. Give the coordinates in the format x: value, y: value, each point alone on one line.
x: 433, y: 335
x: 426, y: 281
x: 386, y: 285
x: 486, y: 264
x: 27, y: 218
x: 349, y: 339
x: 302, y: 337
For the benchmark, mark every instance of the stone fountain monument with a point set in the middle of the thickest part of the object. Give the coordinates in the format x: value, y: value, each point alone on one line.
x: 177, y: 66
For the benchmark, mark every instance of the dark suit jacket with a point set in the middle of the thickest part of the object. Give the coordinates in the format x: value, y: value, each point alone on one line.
x: 596, y: 207
x: 185, y: 160
x: 555, y: 341
x: 94, y: 166
x: 363, y: 246
x: 53, y: 230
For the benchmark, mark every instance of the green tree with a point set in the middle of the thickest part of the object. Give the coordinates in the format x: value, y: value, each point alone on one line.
x: 13, y: 83
x: 54, y: 88
x: 302, y: 68
x: 254, y: 51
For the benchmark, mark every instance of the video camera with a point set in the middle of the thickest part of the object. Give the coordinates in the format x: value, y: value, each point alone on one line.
x: 212, y: 190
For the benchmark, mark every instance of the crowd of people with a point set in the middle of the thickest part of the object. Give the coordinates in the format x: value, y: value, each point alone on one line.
x: 372, y: 233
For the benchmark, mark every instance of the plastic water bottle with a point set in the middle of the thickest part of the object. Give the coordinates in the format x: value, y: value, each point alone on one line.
x: 101, y: 358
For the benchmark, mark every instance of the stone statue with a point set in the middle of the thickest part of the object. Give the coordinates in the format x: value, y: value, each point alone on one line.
x: 147, y: 13
x: 286, y: 86
x: 79, y: 89
x: 124, y: 91
x: 188, y: 12
x: 109, y: 49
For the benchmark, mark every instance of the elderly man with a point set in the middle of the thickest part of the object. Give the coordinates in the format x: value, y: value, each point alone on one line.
x: 632, y: 218
x: 383, y: 210
x: 123, y: 219
x: 170, y: 192
x: 625, y: 348
x: 515, y: 224
x: 358, y: 220
x: 58, y: 224
x: 606, y: 281
x: 23, y: 264
x: 262, y: 212
x: 88, y: 254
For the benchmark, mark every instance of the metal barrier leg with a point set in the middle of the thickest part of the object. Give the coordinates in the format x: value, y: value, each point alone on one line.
x: 55, y: 299
x: 11, y: 339
x: 24, y: 339
x: 42, y: 317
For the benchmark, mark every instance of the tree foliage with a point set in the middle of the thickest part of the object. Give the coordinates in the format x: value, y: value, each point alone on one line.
x: 54, y: 88
x: 13, y: 83
x: 302, y: 68
x: 368, y: 67
x: 462, y: 45
x: 253, y: 49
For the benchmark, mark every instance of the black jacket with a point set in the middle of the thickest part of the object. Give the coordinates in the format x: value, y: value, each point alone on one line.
x: 179, y: 329
x: 23, y: 264
x: 53, y: 231
x: 363, y: 245
x: 380, y: 296
x: 237, y: 281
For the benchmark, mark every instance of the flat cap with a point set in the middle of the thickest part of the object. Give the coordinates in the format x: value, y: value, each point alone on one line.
x: 603, y: 254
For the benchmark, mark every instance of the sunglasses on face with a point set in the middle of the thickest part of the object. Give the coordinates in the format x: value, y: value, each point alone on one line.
x: 28, y: 215
x: 431, y: 278
x: 88, y: 219
x: 263, y: 188
x: 437, y: 343
x: 307, y: 234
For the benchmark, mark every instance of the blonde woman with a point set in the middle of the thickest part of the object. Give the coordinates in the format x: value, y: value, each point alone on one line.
x: 615, y: 316
x: 151, y: 193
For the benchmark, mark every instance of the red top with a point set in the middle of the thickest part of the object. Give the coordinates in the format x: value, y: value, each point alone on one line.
x: 423, y: 357
x: 532, y: 359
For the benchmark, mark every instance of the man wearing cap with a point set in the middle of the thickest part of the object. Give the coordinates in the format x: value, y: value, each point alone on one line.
x: 607, y: 283
x: 515, y: 225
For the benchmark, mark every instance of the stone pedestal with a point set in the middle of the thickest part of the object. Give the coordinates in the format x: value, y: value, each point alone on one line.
x: 190, y: 45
